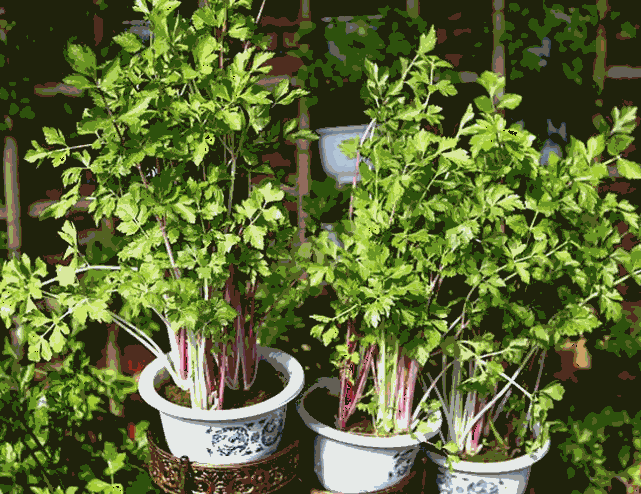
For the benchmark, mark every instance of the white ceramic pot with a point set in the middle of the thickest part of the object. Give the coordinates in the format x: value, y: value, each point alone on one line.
x: 352, y: 463
x: 334, y: 162
x: 501, y: 477
x: 218, y: 437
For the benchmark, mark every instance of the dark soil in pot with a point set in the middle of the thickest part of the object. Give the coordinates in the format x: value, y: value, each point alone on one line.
x: 268, y: 384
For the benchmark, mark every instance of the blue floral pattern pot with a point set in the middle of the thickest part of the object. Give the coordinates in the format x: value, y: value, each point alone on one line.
x: 501, y: 477
x: 346, y: 462
x: 223, y: 437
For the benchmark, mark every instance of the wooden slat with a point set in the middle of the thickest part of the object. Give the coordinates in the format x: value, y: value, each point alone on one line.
x: 12, y: 196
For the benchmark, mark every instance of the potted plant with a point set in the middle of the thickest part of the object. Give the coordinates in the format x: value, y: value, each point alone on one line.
x: 425, y: 259
x: 202, y: 257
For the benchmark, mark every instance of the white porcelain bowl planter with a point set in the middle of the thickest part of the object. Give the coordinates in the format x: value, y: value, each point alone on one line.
x: 351, y: 463
x: 334, y: 162
x: 223, y: 437
x: 501, y: 477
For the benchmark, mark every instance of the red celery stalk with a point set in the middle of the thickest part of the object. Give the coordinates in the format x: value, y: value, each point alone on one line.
x: 347, y: 393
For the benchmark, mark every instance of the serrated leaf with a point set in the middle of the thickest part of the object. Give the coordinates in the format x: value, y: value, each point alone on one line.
x: 131, y: 116
x: 110, y: 74
x: 510, y: 101
x: 53, y: 136
x: 57, y: 340
x: 255, y: 235
x: 204, y: 50
x: 628, y: 169
x: 233, y: 119
x: 141, y: 6
x: 185, y: 212
x: 270, y: 194
x: 129, y: 41
x: 427, y: 42
x: 521, y: 268
x: 82, y: 59
x: 281, y: 89
x: 65, y: 275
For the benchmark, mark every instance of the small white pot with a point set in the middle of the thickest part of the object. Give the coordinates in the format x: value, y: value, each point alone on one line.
x: 223, y: 437
x: 351, y: 463
x: 501, y: 477
x: 334, y: 162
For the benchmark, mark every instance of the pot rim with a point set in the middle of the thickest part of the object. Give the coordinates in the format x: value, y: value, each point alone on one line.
x: 155, y: 371
x: 399, y: 441
x: 341, y: 129
x: 496, y: 467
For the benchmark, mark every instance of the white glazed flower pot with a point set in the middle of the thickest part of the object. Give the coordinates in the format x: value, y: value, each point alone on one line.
x: 335, y: 163
x: 223, y: 437
x: 352, y: 463
x: 501, y: 477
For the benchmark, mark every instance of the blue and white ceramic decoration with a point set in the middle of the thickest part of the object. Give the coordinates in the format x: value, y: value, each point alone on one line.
x: 356, y: 463
x: 222, y: 437
x: 501, y: 477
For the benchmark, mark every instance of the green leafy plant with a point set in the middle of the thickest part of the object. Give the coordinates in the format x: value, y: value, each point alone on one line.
x: 605, y: 445
x: 43, y: 441
x: 442, y: 240
x: 173, y: 125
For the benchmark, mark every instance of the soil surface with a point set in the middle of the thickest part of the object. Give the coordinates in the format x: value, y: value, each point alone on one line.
x: 268, y: 384
x: 323, y: 406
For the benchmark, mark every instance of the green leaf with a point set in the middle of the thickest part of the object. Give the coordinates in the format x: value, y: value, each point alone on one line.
x: 141, y: 6
x: 82, y: 59
x: 110, y: 74
x: 53, y: 136
x: 427, y: 42
x: 97, y: 485
x: 484, y: 104
x: 270, y: 194
x: 79, y: 82
x: 510, y: 101
x: 601, y: 124
x: 129, y: 41
x: 131, y: 116
x: 296, y: 93
x: 57, y: 340
x: 628, y: 169
x: 204, y: 50
x: 185, y: 212
x: 66, y: 275
x: 521, y: 268
x: 330, y: 335
x: 281, y: 89
x: 233, y: 119
x: 255, y: 235
x: 566, y: 258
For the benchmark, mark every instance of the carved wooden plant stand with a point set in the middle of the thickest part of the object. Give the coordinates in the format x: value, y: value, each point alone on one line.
x: 180, y: 476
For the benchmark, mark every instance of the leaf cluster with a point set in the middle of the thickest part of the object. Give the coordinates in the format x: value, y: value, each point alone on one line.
x: 172, y: 126
x: 43, y: 427
x: 486, y: 222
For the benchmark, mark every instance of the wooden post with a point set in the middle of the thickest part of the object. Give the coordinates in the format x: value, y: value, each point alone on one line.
x: 498, y: 50
x: 498, y: 55
x: 14, y: 231
x: 12, y: 195
x: 303, y: 177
